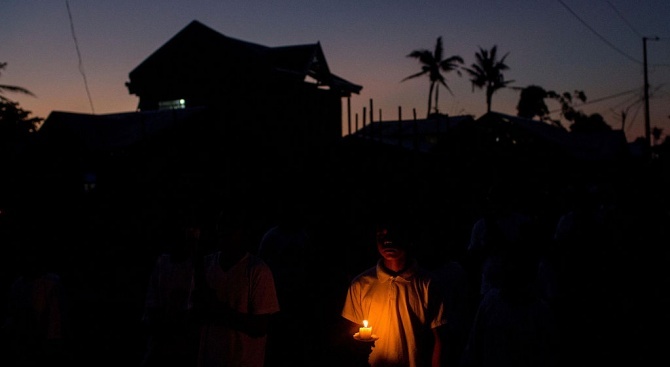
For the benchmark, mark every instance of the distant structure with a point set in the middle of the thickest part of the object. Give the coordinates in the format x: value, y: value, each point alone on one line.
x: 209, y: 106
x: 287, y: 93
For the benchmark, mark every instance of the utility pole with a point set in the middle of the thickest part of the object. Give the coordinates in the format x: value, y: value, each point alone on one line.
x: 647, y: 127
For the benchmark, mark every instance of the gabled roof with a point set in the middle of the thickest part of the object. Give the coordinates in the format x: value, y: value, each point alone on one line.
x: 309, y: 60
x: 198, y: 46
x: 300, y: 60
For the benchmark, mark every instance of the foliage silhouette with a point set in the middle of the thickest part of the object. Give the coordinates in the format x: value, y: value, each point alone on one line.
x: 432, y: 64
x: 486, y: 73
x: 532, y: 103
x: 15, y: 123
x: 11, y: 88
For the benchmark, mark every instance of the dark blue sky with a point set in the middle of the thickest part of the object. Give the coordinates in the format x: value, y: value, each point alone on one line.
x: 562, y: 45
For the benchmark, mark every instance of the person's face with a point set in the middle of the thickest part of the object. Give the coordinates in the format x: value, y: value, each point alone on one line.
x: 232, y: 242
x: 388, y: 247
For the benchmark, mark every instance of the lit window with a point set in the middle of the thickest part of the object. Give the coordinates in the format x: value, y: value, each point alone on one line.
x: 172, y: 105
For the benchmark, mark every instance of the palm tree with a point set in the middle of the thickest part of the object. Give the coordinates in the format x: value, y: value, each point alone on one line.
x: 487, y: 74
x: 11, y: 88
x: 433, y: 65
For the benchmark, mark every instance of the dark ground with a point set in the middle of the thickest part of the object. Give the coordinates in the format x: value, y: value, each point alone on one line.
x: 104, y: 248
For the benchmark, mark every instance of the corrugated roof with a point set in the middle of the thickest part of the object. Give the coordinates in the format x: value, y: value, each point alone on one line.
x: 116, y: 130
x: 402, y: 132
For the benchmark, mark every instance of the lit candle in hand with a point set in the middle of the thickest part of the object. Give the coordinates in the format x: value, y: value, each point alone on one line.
x: 365, y: 332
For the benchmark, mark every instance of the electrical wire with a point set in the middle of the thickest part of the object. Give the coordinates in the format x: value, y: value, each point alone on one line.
x: 81, y: 63
x: 599, y: 35
x: 624, y: 20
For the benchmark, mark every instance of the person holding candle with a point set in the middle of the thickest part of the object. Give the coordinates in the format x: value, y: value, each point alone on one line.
x: 398, y: 299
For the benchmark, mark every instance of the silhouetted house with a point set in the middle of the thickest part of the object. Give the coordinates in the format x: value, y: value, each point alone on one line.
x: 123, y: 149
x: 421, y: 135
x: 547, y: 148
x: 496, y: 145
x: 396, y: 162
x: 213, y: 110
x: 278, y: 96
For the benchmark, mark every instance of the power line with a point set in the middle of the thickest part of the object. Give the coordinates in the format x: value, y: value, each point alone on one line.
x: 624, y: 20
x: 601, y: 99
x: 628, y: 102
x: 608, y: 97
x: 81, y: 64
x: 599, y: 35
x: 637, y: 109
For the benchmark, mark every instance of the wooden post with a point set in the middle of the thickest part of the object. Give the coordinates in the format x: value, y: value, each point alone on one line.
x: 414, y: 127
x: 415, y: 134
x: 364, y: 116
x: 379, y: 122
x: 438, y: 119
x: 349, y: 115
x: 399, y: 126
x: 371, y: 111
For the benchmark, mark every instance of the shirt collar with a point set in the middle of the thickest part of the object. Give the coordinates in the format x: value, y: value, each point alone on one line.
x: 405, y: 275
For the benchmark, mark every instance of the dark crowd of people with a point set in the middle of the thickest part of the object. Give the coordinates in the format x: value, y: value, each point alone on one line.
x: 534, y: 279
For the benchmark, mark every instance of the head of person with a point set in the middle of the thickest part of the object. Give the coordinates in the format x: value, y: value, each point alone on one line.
x: 232, y: 232
x: 181, y: 234
x: 393, y: 239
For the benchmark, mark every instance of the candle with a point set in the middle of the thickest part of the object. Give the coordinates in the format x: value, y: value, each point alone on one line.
x: 365, y: 332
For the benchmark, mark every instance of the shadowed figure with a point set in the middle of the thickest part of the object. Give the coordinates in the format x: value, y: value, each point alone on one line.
x: 514, y: 325
x: 172, y: 336
x: 589, y: 276
x: 235, y: 297
x: 451, y: 279
x: 500, y: 225
x: 286, y: 248
x: 36, y: 331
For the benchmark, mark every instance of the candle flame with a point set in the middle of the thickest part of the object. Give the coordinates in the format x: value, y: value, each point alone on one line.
x: 365, y: 323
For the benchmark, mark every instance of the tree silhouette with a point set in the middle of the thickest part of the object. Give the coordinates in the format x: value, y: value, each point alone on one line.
x: 656, y: 133
x: 580, y: 121
x: 568, y: 111
x: 531, y: 102
x: 432, y: 64
x: 589, y: 123
x: 486, y: 73
x: 11, y: 88
x: 15, y: 119
x: 15, y: 123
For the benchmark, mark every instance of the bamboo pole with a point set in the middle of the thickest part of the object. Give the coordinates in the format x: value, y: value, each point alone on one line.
x: 371, y: 111
x: 349, y: 115
x: 399, y: 126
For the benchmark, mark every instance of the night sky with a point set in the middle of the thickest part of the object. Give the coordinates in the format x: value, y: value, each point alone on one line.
x: 560, y: 45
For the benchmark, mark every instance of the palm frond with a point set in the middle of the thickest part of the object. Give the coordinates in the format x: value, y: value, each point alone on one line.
x: 438, y: 49
x: 15, y: 89
x: 423, y: 72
